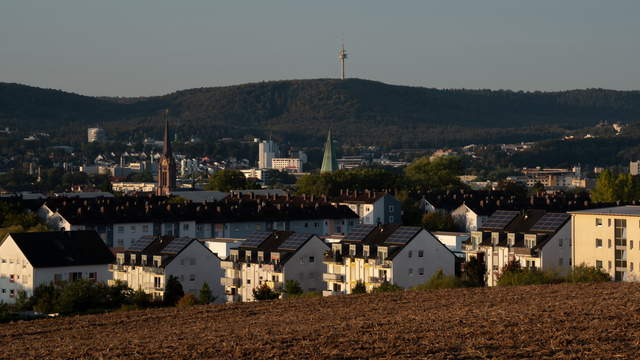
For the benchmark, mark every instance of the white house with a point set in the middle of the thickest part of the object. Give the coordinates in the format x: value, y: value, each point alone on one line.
x: 31, y: 259
x: 273, y: 258
x: 148, y: 264
x: 372, y: 207
x: 221, y: 246
x: 534, y: 238
x: 401, y: 255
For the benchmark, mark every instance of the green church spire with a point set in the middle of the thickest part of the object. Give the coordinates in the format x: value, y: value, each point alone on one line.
x: 329, y: 162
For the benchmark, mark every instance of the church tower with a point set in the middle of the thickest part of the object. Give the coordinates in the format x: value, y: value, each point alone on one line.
x: 167, y: 166
x: 329, y: 163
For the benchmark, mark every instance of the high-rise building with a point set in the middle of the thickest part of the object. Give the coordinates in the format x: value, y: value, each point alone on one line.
x: 166, y: 167
x: 267, y: 150
x: 96, y: 134
x: 329, y: 162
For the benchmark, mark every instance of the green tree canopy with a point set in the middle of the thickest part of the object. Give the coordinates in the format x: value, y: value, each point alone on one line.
x: 227, y: 180
x: 438, y: 174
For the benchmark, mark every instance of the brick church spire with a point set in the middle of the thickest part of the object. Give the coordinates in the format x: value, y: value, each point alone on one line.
x: 167, y: 165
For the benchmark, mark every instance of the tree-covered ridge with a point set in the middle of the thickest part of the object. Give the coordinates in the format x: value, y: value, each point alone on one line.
x: 361, y: 111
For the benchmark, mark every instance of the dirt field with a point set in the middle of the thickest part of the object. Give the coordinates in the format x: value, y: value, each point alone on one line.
x: 561, y: 321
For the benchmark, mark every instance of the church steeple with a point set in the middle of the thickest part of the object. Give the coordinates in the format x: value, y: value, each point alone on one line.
x: 329, y: 162
x: 167, y: 165
x: 166, y: 149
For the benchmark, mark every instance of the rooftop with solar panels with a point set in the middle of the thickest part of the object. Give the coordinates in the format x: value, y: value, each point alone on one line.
x: 275, y: 241
x: 528, y: 221
x: 166, y: 246
x: 390, y: 234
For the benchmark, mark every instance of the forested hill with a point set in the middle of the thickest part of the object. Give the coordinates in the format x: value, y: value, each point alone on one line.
x: 360, y: 111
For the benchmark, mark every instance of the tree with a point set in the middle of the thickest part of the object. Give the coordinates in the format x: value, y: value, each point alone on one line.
x: 386, y: 287
x: 227, y: 180
x: 438, y: 174
x: 264, y: 292
x: 474, y: 271
x: 538, y: 187
x: 206, y: 296
x: 359, y: 288
x: 172, y: 291
x: 605, y: 189
x: 292, y: 288
x: 437, y: 221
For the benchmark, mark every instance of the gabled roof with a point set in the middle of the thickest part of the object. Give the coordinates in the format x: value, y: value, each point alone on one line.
x: 62, y: 248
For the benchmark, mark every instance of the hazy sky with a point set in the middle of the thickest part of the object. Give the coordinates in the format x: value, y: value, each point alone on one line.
x: 149, y: 47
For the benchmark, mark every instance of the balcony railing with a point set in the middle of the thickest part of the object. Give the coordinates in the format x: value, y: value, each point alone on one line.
x: 116, y: 267
x: 230, y: 282
x: 230, y: 265
x: 376, y: 280
x: 333, y: 257
x: 332, y: 277
x: 382, y: 263
x: 153, y: 269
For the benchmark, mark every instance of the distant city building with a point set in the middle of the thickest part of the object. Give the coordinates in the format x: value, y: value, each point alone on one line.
x: 634, y: 167
x: 287, y: 164
x: 166, y: 167
x: 126, y: 187
x: 329, y: 163
x: 267, y: 150
x: 372, y: 207
x: 351, y: 162
x: 96, y: 134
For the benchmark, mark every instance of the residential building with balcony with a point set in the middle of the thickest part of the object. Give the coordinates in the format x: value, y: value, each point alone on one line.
x: 608, y: 238
x: 151, y: 260
x: 534, y: 238
x: 401, y: 255
x: 272, y: 258
x: 28, y: 260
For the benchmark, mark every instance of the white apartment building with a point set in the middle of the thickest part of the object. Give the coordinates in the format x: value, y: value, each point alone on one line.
x: 221, y: 246
x: 287, y: 164
x: 148, y: 264
x: 267, y: 150
x: 273, y: 258
x: 534, y: 238
x: 28, y: 260
x: 96, y: 134
x: 372, y: 207
x: 402, y: 255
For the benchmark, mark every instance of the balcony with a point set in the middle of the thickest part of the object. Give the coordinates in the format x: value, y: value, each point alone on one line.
x: 383, y: 263
x: 331, y: 257
x: 232, y: 273
x: 230, y: 282
x: 332, y: 277
x: 331, y: 293
x: 376, y: 280
x: 230, y: 265
x: 116, y: 267
x: 153, y: 269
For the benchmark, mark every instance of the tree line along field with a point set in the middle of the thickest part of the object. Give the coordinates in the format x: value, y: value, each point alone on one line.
x: 566, y: 321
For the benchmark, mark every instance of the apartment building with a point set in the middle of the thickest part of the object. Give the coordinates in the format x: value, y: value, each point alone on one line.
x: 31, y: 259
x: 534, y: 238
x: 287, y: 164
x: 608, y: 238
x: 151, y: 260
x: 272, y: 258
x: 372, y: 207
x: 402, y: 255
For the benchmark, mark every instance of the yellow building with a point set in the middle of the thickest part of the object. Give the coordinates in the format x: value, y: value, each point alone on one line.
x: 605, y: 238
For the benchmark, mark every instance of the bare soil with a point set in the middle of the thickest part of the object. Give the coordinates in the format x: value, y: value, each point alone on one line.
x: 595, y: 321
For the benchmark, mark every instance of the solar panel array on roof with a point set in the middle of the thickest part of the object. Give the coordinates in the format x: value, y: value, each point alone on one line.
x: 294, y: 241
x: 141, y: 243
x: 550, y: 222
x: 402, y: 235
x: 500, y: 219
x: 176, y: 245
x: 359, y: 232
x: 255, y: 239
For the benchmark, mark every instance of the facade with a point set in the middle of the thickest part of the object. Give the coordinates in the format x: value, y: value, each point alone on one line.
x: 329, y: 162
x: 221, y: 246
x: 31, y: 259
x: 634, y: 167
x: 372, y: 207
x: 273, y: 258
x: 96, y: 134
x: 126, y: 187
x: 267, y: 150
x: 287, y: 164
x: 534, y: 238
x: 452, y: 240
x: 401, y: 255
x: 149, y: 263
x: 604, y: 238
x: 166, y: 166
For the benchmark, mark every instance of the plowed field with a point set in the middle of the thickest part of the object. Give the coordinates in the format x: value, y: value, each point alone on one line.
x: 599, y: 321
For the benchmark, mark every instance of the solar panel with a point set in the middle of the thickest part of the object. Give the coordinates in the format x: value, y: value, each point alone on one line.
x: 176, y: 245
x: 500, y: 219
x: 550, y: 222
x: 294, y: 241
x: 359, y: 232
x: 402, y: 235
x: 256, y: 238
x: 141, y: 243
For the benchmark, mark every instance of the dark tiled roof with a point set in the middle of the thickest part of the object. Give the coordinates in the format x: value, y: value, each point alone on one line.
x: 63, y: 248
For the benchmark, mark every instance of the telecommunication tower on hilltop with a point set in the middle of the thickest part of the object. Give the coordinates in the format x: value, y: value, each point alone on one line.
x: 342, y: 56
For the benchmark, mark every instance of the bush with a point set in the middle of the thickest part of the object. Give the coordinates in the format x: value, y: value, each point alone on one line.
x: 529, y: 277
x: 140, y: 299
x: 587, y: 274
x: 264, y: 292
x: 441, y: 281
x: 474, y: 271
x: 172, y: 291
x: 359, y: 288
x: 187, y: 300
x: 292, y: 288
x: 206, y: 297
x: 386, y: 287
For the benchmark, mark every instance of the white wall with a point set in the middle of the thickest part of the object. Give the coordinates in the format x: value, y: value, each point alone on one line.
x: 558, y: 247
x: 436, y: 257
x: 306, y: 266
x: 196, y: 265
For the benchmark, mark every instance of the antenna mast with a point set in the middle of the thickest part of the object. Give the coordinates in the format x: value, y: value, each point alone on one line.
x: 342, y: 56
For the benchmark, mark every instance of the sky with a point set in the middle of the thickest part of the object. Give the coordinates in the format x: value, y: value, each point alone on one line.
x: 153, y: 47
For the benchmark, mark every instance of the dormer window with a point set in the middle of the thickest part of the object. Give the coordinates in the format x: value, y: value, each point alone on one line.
x: 495, y: 238
x: 530, y: 240
x: 365, y: 251
x: 157, y: 261
x: 382, y: 253
x: 133, y: 259
x: 143, y: 260
x: 352, y: 250
x: 260, y: 257
x: 511, y: 239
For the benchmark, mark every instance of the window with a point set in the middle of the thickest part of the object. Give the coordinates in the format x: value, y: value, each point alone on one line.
x: 312, y: 259
x: 306, y: 224
x: 410, y: 253
x: 120, y: 229
x: 410, y: 271
x: 352, y: 250
x: 599, y: 264
x: 156, y: 282
x: 12, y: 293
x: 391, y: 208
x: 185, y: 227
x: 192, y: 277
x: 420, y: 271
x: 182, y: 277
x: 391, y: 219
x: 12, y: 278
x: 420, y: 253
x: 609, y: 243
x: 598, y: 222
x: 609, y: 265
x: 630, y: 244
x: 609, y: 222
x: 248, y: 281
x: 145, y: 228
x: 132, y: 228
x: 57, y: 277
x: 560, y: 243
x: 93, y: 276
x: 598, y: 243
x: 301, y: 259
x: 73, y: 276
x: 630, y: 266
